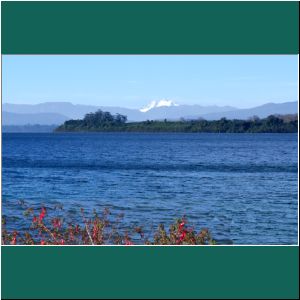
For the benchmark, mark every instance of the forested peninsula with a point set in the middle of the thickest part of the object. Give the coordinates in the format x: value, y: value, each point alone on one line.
x: 101, y: 121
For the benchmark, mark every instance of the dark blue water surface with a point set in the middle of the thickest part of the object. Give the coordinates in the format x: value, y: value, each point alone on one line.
x: 243, y: 187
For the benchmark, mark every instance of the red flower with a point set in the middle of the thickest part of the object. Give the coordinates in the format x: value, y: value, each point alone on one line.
x: 42, y: 214
x: 128, y: 242
x: 56, y: 223
x: 182, y: 236
x: 14, y: 239
x: 181, y: 225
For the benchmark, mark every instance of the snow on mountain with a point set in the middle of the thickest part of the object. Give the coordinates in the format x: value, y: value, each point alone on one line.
x: 151, y: 105
x: 160, y: 103
x: 57, y: 112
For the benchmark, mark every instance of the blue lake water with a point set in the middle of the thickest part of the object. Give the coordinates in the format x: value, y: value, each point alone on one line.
x: 243, y: 187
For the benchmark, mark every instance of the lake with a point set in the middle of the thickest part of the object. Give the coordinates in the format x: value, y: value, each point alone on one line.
x: 243, y: 187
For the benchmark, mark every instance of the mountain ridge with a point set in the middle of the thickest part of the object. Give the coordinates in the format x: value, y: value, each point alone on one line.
x: 49, y: 113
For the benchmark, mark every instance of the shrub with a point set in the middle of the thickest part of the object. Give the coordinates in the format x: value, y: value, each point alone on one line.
x: 99, y: 230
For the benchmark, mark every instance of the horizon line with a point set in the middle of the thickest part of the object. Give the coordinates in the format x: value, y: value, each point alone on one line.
x: 117, y: 106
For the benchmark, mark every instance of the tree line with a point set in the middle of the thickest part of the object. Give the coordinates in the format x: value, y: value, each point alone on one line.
x: 105, y: 121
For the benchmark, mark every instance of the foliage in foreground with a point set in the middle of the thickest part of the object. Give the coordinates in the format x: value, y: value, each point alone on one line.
x: 99, y: 230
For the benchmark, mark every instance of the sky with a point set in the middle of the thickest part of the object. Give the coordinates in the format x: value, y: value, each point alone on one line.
x: 135, y: 80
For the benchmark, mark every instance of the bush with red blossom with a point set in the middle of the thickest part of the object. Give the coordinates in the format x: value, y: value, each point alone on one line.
x: 99, y: 230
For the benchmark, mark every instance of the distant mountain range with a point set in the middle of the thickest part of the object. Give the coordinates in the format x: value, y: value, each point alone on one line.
x: 9, y: 118
x: 259, y: 111
x: 50, y: 113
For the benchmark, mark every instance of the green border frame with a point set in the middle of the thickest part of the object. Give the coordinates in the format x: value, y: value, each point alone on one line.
x: 150, y: 272
x: 150, y: 28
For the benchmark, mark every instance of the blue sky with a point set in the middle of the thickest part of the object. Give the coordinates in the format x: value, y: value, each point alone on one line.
x: 133, y: 81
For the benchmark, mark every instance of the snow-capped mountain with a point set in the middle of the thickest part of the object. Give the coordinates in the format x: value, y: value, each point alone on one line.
x: 49, y: 113
x: 160, y: 103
